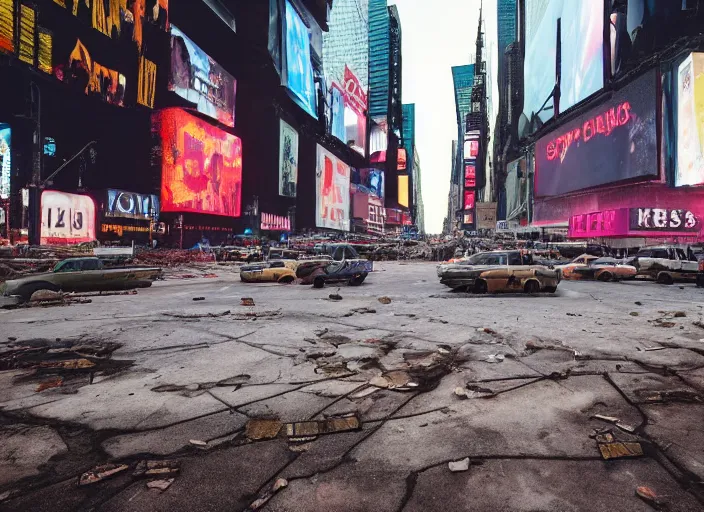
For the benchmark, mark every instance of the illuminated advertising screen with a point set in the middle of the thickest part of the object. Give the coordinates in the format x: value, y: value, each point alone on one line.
x: 299, y: 69
x: 582, y: 58
x: 486, y: 215
x: 332, y: 179
x: 471, y: 145
x: 470, y: 176
x: 690, y: 121
x: 67, y: 218
x: 373, y: 179
x: 288, y: 160
x: 468, y: 199
x: 199, y: 79
x: 403, y: 191
x: 355, y: 112
x: 613, y: 142
x: 5, y: 160
x: 337, y: 128
x: 201, y: 165
x: 131, y: 205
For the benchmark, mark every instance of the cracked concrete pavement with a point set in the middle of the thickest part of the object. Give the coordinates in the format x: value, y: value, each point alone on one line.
x: 159, y: 376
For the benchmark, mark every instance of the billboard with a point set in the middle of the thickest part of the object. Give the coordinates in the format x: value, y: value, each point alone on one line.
x: 469, y: 199
x: 581, y: 62
x: 337, y: 128
x: 199, y: 79
x: 66, y: 218
x: 486, y: 215
x: 613, y: 142
x: 636, y: 222
x: 131, y: 205
x: 299, y: 69
x: 690, y: 121
x: 271, y: 222
x: 5, y: 159
x: 403, y: 191
x: 288, y: 160
x: 332, y: 185
x: 470, y: 175
x: 201, y: 165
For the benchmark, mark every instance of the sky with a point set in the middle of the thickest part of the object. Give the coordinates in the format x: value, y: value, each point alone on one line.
x: 436, y: 36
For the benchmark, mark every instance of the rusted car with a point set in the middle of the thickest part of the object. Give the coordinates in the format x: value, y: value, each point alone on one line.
x: 80, y: 275
x: 666, y: 264
x: 320, y: 273
x: 592, y: 267
x: 272, y: 272
x: 499, y: 271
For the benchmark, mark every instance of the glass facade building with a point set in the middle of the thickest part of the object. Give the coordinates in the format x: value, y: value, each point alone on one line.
x: 379, y: 58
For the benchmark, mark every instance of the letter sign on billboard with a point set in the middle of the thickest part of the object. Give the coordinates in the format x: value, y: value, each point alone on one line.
x: 67, y: 218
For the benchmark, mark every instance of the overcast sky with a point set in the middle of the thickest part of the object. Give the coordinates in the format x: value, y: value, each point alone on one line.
x: 436, y: 36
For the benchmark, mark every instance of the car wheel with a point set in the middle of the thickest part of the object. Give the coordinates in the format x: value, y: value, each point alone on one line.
x: 480, y: 286
x: 319, y: 282
x: 665, y: 278
x: 357, y: 280
x: 532, y: 287
x: 286, y: 280
x: 26, y: 291
x: 605, y: 277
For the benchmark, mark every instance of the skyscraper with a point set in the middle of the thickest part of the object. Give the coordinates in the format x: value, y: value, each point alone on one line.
x: 396, y: 63
x: 347, y: 41
x: 463, y: 78
x: 379, y: 43
x: 506, y: 18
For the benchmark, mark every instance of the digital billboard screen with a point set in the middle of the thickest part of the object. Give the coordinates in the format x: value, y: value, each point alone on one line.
x: 332, y: 208
x: 288, y: 160
x: 403, y: 191
x: 199, y: 79
x: 5, y: 159
x: 201, y: 165
x: 299, y: 68
x: 690, y: 121
x: 67, y: 219
x: 613, y: 142
x: 131, y: 205
x: 337, y: 111
x: 582, y: 58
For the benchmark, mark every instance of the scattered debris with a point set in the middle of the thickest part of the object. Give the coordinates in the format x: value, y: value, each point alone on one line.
x: 300, y: 447
x: 100, y: 473
x: 459, y: 465
x: 634, y: 313
x: 495, y: 358
x: 365, y: 392
x: 326, y: 426
x: 653, y: 349
x: 198, y: 298
x: 395, y: 379
x: 679, y: 314
x: 160, y: 485
x: 247, y: 301
x: 638, y: 303
x: 160, y: 468
x: 45, y: 296
x: 649, y: 496
x: 48, y: 384
x: 438, y: 320
x: 461, y: 393
x: 361, y: 311
x: 677, y: 395
x: 335, y: 296
x: 659, y: 322
x: 197, y: 442
x: 197, y: 315
x: 486, y: 330
x: 384, y: 300
x: 619, y: 450
x: 258, y: 429
x: 279, y: 484
x: 234, y: 381
x: 615, y: 421
x: 576, y: 314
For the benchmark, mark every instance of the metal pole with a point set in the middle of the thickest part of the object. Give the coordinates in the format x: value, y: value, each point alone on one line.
x: 35, y: 222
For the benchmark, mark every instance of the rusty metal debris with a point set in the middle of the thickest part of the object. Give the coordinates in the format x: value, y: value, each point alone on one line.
x: 648, y: 495
x: 335, y: 296
x: 617, y: 450
x: 676, y: 395
x: 326, y: 426
x: 156, y: 468
x: 247, y: 301
x: 160, y: 485
x: 615, y: 421
x: 257, y: 504
x: 459, y: 465
x: 100, y: 473
x: 384, y: 300
x: 395, y: 379
x: 198, y: 298
x: 259, y: 429
x: 56, y: 382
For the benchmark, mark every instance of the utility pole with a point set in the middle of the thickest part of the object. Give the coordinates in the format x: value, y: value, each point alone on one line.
x: 35, y: 188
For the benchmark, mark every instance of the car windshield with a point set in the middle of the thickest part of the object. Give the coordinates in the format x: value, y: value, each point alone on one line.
x: 604, y: 261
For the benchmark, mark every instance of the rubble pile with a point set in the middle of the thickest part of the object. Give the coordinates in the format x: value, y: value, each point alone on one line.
x: 172, y: 257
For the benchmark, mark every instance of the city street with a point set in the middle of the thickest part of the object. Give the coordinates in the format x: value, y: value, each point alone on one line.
x: 535, y: 391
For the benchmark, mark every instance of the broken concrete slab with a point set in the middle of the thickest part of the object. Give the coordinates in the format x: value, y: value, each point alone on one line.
x: 293, y: 406
x: 224, y: 480
x: 25, y: 448
x: 649, y: 387
x: 171, y: 439
x: 677, y: 430
x: 522, y: 485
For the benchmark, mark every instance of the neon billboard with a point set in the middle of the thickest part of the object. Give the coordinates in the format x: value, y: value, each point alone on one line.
x: 67, y: 219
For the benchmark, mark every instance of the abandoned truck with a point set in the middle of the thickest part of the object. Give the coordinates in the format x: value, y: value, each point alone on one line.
x: 499, y: 271
x: 81, y: 275
x: 665, y: 264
